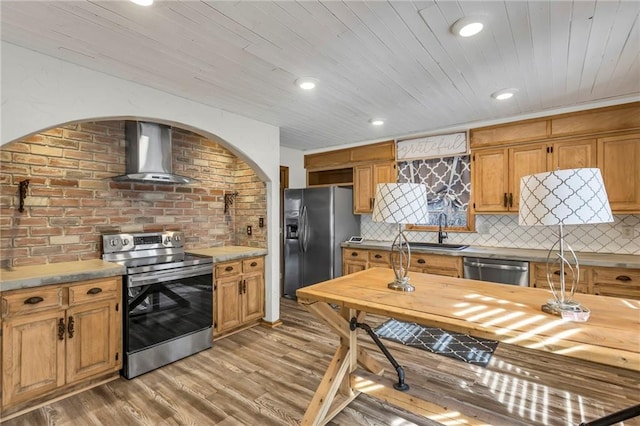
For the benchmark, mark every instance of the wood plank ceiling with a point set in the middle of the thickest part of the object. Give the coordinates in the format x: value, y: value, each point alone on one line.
x: 391, y: 59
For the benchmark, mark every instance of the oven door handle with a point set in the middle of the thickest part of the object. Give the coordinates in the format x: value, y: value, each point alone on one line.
x: 156, y: 277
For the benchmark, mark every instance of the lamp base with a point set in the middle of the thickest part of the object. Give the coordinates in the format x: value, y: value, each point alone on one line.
x: 401, y: 284
x: 572, y: 311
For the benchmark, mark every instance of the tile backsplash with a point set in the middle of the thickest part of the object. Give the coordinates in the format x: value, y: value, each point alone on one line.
x: 504, y: 231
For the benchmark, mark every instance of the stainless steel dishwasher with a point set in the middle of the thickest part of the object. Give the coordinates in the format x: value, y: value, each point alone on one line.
x: 512, y: 272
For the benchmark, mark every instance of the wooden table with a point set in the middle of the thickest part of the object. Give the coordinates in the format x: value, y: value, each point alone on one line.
x: 505, y: 313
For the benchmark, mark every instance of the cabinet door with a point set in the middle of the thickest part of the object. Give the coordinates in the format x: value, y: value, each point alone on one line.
x: 350, y: 266
x: 575, y: 154
x: 523, y: 161
x: 253, y: 297
x: 617, y: 282
x: 32, y: 356
x: 93, y: 331
x: 490, y: 174
x: 619, y: 162
x: 363, y: 190
x: 228, y: 309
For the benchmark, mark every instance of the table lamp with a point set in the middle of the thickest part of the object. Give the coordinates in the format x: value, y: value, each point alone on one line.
x: 400, y: 203
x: 564, y: 197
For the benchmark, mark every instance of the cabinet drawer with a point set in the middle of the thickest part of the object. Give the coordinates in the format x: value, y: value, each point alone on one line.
x: 622, y: 276
x: 229, y: 268
x: 540, y: 274
x: 355, y: 254
x: 253, y: 265
x: 25, y: 302
x: 93, y: 290
x: 380, y: 256
x: 420, y: 260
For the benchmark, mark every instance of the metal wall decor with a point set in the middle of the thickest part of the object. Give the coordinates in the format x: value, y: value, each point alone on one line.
x: 22, y: 189
x: 228, y: 200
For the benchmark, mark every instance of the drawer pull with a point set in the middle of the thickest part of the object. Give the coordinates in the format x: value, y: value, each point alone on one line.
x: 61, y: 329
x: 94, y: 290
x: 33, y: 300
x: 377, y: 256
x: 504, y: 200
x: 354, y: 254
x: 240, y: 287
x: 228, y: 268
x: 254, y: 264
x: 623, y: 278
x: 558, y: 273
x: 70, y: 327
x: 421, y: 261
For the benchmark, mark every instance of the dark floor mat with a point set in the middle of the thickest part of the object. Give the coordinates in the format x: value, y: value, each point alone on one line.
x: 462, y: 347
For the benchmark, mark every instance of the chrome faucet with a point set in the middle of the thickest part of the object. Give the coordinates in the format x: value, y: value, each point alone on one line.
x: 442, y: 235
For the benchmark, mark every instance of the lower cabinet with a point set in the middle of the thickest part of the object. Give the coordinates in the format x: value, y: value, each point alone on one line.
x: 57, y: 336
x: 238, y: 294
x: 603, y: 281
x: 354, y: 260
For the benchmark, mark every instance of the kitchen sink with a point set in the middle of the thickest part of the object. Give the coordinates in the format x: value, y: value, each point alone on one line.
x: 439, y: 246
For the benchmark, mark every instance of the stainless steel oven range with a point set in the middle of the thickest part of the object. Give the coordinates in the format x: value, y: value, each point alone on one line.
x: 168, y: 299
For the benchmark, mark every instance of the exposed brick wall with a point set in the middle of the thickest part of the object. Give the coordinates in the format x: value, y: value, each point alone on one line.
x: 72, y: 201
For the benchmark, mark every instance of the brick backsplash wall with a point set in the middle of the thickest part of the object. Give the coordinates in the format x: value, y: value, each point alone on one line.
x: 71, y: 200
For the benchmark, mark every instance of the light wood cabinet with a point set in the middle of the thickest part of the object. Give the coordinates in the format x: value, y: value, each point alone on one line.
x: 57, y: 336
x: 599, y: 280
x: 366, y: 178
x: 497, y: 171
x: 354, y: 260
x: 437, y: 264
x: 239, y: 294
x: 619, y: 162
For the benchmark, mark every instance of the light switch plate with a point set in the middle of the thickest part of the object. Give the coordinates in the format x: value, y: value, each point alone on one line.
x: 627, y: 232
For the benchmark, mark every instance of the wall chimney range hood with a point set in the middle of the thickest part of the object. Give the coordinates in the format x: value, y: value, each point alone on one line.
x: 148, y: 154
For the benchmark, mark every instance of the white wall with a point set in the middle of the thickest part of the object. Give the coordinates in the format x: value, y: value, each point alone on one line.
x: 294, y: 159
x: 40, y: 92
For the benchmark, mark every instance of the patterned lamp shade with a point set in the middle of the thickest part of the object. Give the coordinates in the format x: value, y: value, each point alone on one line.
x: 400, y: 203
x: 564, y: 197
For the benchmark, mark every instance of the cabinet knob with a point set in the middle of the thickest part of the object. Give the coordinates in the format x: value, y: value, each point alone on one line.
x: 33, y: 300
x: 623, y: 278
x: 94, y: 290
x: 422, y: 261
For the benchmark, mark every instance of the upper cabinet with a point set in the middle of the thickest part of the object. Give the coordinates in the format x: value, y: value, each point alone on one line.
x: 619, y: 162
x: 601, y: 138
x: 363, y: 167
x: 366, y: 178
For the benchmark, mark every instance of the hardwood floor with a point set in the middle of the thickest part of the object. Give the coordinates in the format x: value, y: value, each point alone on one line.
x: 265, y: 376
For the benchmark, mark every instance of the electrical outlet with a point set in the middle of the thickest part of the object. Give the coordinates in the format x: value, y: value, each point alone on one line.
x: 627, y: 232
x: 483, y: 229
x: 261, y: 222
x: 249, y: 231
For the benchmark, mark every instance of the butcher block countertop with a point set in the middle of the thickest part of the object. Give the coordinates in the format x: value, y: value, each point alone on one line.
x: 67, y: 272
x: 530, y: 255
x: 57, y: 273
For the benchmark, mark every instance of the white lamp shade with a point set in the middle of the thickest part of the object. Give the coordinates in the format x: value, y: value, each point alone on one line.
x: 567, y: 197
x: 400, y: 203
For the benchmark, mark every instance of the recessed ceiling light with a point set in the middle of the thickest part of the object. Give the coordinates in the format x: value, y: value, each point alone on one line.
x: 376, y: 122
x: 504, y: 94
x: 142, y: 2
x: 307, y: 83
x: 467, y: 26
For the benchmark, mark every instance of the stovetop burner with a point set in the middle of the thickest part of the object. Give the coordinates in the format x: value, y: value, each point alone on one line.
x: 149, y: 251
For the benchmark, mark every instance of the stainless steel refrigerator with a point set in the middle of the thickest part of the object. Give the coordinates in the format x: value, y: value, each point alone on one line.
x: 316, y: 222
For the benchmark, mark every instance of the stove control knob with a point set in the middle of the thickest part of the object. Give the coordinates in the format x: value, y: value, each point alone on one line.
x: 167, y: 240
x: 125, y: 242
x: 176, y: 237
x: 113, y: 243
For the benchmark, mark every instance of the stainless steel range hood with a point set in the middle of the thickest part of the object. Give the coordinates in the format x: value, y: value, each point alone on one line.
x: 148, y: 154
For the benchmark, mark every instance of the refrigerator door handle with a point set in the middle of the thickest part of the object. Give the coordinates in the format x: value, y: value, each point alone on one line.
x: 301, y: 230
x: 305, y: 237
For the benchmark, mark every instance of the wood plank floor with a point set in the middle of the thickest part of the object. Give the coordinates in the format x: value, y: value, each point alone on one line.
x: 265, y: 376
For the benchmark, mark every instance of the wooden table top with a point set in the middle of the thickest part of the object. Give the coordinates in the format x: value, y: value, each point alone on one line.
x: 506, y: 313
